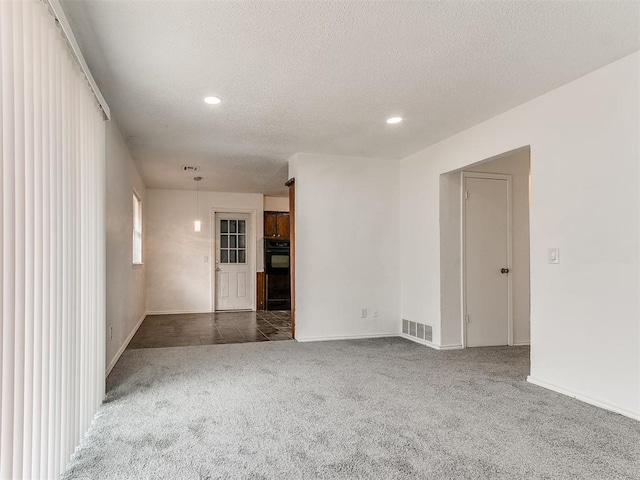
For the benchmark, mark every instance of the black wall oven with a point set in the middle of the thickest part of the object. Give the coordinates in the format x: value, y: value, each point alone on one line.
x: 276, y: 257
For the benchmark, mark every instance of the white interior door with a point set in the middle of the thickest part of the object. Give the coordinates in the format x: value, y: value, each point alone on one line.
x: 234, y: 269
x: 486, y: 254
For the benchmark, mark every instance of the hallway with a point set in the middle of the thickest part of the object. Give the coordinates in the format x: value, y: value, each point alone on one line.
x: 191, y: 329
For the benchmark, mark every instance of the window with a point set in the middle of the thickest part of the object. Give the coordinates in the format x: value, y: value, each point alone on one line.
x: 233, y: 241
x: 137, y: 230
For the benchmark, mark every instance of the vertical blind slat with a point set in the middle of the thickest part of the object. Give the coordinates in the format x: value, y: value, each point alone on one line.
x: 2, y: 290
x: 2, y: 233
x: 38, y: 234
x: 47, y: 304
x: 19, y: 235
x: 29, y: 234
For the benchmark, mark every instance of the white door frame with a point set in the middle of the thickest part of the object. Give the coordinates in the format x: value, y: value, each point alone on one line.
x: 251, y: 247
x: 463, y: 263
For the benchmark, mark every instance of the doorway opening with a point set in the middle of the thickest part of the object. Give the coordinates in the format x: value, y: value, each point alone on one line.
x: 484, y: 252
x: 276, y: 283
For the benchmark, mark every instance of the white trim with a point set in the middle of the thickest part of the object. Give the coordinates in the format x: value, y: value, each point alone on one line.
x: 58, y: 13
x: 463, y: 263
x: 583, y: 398
x: 251, y: 247
x: 521, y: 344
x: 345, y: 337
x: 435, y: 346
x: 176, y: 312
x: 124, y: 346
x: 420, y: 341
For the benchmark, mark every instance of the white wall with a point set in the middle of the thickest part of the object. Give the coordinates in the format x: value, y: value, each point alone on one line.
x: 347, y: 246
x: 584, y: 200
x: 515, y: 164
x: 276, y: 204
x: 178, y: 279
x: 125, y: 283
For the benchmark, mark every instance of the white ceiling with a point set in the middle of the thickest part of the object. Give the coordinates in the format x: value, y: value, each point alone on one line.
x: 323, y: 76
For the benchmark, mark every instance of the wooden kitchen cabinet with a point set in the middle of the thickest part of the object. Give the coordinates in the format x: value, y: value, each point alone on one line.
x: 276, y: 224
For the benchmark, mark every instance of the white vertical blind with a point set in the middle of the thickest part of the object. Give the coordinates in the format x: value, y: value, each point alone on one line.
x: 51, y: 246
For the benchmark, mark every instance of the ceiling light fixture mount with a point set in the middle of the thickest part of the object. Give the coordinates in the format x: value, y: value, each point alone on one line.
x: 197, y: 224
x: 212, y: 100
x: 394, y: 120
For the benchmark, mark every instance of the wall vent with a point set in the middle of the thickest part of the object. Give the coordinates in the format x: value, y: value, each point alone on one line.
x: 418, y: 330
x: 428, y: 333
x: 405, y: 326
x: 190, y: 168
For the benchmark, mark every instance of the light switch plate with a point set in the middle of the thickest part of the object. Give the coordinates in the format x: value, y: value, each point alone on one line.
x: 554, y: 255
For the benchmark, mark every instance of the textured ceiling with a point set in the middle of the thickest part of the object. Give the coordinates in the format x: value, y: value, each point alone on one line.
x: 322, y: 77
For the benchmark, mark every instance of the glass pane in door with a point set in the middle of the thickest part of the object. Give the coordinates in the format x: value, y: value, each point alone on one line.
x: 232, y: 243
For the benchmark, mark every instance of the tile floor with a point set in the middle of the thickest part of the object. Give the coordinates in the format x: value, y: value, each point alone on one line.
x: 186, y: 330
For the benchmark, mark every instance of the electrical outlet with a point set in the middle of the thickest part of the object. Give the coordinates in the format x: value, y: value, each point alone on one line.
x: 363, y: 313
x: 110, y: 332
x: 375, y: 311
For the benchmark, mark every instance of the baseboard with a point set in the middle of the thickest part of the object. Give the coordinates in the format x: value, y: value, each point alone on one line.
x: 583, y: 398
x: 431, y: 344
x: 177, y: 312
x: 345, y: 337
x: 121, y: 350
x: 521, y: 344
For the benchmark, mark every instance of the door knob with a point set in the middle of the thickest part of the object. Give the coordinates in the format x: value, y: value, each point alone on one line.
x: 504, y: 270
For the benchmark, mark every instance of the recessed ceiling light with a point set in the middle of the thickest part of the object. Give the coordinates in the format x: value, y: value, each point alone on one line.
x: 393, y: 120
x: 212, y: 100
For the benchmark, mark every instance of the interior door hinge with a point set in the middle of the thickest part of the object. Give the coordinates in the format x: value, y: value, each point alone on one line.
x: 466, y: 194
x: 466, y: 318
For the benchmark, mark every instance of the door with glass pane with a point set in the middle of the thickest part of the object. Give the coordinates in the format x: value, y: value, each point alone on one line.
x: 234, y: 266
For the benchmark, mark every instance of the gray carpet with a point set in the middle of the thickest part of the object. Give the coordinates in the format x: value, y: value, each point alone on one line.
x: 384, y: 408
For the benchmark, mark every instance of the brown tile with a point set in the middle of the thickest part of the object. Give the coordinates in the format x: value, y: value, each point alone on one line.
x: 158, y: 342
x: 195, y: 329
x: 230, y: 332
x: 176, y: 330
x: 279, y: 339
x: 255, y: 336
x: 261, y: 338
x: 212, y: 340
x: 268, y: 330
x: 235, y: 340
